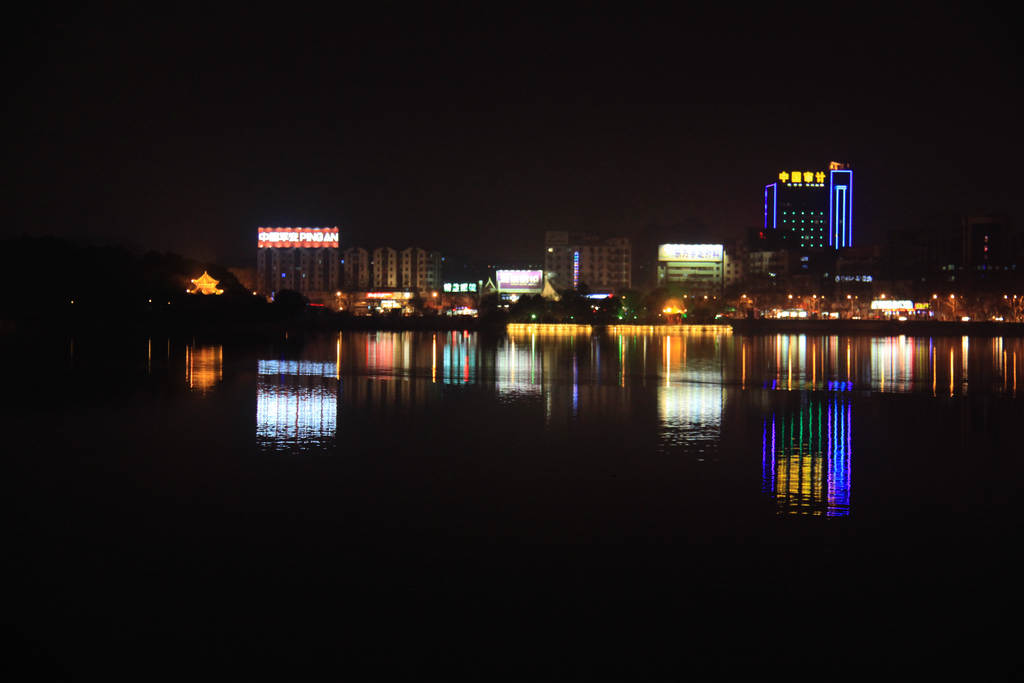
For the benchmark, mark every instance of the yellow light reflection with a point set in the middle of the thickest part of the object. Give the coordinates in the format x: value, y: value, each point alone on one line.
x: 668, y: 356
x: 743, y: 371
x: 789, y: 367
x: 951, y: 372
x: 547, y: 329
x: 814, y: 366
x: 964, y: 343
x: 677, y: 330
x: 204, y: 367
x: 847, y: 361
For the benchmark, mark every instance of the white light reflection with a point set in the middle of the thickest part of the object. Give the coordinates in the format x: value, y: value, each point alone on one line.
x: 296, y: 404
x: 516, y: 369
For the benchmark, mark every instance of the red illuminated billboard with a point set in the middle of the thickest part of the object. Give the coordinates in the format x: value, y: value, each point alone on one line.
x: 298, y: 237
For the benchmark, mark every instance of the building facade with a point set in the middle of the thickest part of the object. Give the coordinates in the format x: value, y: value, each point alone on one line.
x: 301, y: 259
x: 768, y: 263
x: 356, y: 267
x: 699, y: 269
x: 384, y: 268
x: 985, y: 243
x: 420, y: 269
x: 573, y: 260
x: 734, y: 262
x: 810, y: 209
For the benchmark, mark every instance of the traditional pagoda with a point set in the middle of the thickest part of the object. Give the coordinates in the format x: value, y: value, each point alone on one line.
x: 206, y: 285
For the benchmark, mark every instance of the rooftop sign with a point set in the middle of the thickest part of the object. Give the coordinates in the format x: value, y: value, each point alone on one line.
x: 298, y: 237
x: 690, y: 252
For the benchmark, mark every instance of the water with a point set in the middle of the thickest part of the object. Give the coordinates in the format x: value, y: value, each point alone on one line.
x: 335, y: 499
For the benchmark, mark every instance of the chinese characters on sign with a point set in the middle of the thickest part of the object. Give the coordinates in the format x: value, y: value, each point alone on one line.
x: 803, y: 177
x: 892, y: 305
x: 460, y: 287
x: 690, y: 252
x: 298, y: 237
x: 521, y: 281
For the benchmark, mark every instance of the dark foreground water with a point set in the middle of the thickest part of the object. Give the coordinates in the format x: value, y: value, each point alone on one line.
x: 540, y: 506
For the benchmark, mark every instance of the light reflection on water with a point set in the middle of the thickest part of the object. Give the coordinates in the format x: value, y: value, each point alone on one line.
x: 676, y: 386
x: 806, y: 457
x: 204, y: 366
x: 296, y: 404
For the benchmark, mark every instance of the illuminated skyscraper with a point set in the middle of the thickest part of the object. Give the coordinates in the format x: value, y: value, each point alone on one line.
x: 810, y: 209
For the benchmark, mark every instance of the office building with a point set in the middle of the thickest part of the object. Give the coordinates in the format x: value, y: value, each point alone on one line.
x: 300, y: 259
x: 809, y: 209
x: 699, y: 269
x: 574, y: 260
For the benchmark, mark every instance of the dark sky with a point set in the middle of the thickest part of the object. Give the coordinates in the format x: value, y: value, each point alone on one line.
x: 474, y: 132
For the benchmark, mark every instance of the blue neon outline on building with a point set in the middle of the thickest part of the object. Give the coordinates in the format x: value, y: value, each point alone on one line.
x: 576, y: 269
x: 775, y: 206
x: 840, y: 208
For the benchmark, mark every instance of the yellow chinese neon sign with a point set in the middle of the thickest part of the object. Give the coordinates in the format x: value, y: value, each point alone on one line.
x: 802, y: 177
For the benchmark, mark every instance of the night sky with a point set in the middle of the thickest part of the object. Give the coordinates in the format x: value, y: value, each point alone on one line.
x: 474, y: 132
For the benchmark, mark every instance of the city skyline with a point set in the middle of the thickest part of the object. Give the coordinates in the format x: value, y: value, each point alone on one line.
x: 475, y: 135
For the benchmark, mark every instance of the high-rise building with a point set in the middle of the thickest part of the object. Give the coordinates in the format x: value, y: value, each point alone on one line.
x: 572, y: 260
x: 357, y: 268
x: 385, y: 268
x: 420, y: 269
x: 810, y: 209
x: 300, y: 259
x: 985, y: 243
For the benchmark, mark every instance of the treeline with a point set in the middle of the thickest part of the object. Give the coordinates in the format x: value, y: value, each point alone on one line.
x: 54, y: 279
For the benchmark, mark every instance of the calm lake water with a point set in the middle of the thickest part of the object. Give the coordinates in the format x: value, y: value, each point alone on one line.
x: 544, y: 504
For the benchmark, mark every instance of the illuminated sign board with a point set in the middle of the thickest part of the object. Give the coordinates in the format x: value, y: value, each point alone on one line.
x: 460, y: 287
x: 522, y: 281
x: 806, y: 178
x: 854, y: 278
x: 690, y: 252
x: 389, y: 295
x: 298, y: 237
x: 892, y: 305
x: 924, y: 306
